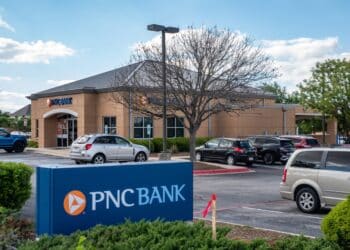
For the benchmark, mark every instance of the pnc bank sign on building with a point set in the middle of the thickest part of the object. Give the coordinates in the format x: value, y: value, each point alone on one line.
x: 67, y: 199
x: 61, y: 114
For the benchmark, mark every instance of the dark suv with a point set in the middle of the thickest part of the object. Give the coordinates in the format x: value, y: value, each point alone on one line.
x: 272, y: 148
x: 302, y: 141
x: 228, y: 150
x: 11, y: 143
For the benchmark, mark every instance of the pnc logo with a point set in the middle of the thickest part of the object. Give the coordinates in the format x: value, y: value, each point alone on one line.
x: 74, y: 202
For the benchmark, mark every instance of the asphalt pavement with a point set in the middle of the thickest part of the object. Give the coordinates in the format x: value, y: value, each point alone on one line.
x: 250, y: 199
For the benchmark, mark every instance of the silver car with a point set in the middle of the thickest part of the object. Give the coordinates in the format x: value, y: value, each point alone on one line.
x: 99, y: 148
x: 317, y: 177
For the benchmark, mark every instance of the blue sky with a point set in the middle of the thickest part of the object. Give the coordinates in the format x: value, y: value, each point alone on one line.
x: 45, y: 43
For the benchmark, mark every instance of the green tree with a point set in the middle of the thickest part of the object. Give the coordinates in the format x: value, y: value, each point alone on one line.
x: 282, y: 96
x: 328, y: 90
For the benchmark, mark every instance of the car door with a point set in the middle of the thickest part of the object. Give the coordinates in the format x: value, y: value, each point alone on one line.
x: 106, y: 145
x: 209, y: 149
x: 5, y: 138
x: 334, y: 178
x: 125, y: 149
x: 221, y: 151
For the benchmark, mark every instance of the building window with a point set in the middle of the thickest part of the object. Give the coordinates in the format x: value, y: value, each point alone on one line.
x: 143, y: 125
x: 175, y: 127
x: 109, y: 125
x: 36, y: 128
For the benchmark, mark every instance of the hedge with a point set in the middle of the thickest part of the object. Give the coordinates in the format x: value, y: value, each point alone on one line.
x: 178, y: 144
x: 336, y: 225
x: 15, y: 186
x: 166, y: 235
x: 32, y: 144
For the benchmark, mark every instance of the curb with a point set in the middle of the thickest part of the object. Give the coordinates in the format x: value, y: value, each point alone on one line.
x: 221, y: 171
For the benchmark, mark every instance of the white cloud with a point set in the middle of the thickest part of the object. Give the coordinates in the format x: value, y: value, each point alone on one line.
x: 296, y: 57
x: 293, y: 58
x: 12, y: 101
x: 12, y: 51
x: 5, y: 25
x: 6, y: 78
x: 58, y: 82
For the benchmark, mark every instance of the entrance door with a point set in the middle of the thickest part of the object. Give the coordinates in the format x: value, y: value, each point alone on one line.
x: 72, y: 130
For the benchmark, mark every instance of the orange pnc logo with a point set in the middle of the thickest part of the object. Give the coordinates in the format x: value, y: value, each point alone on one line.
x: 74, y: 202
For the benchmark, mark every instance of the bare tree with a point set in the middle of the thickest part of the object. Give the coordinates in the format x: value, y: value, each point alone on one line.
x: 208, y: 71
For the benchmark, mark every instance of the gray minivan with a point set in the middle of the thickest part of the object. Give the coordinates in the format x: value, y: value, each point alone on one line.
x: 317, y: 177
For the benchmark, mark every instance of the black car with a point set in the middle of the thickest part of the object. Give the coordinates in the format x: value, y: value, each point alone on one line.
x: 272, y: 148
x: 227, y: 150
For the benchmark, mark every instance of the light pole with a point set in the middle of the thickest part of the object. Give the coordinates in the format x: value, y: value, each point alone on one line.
x: 163, y: 29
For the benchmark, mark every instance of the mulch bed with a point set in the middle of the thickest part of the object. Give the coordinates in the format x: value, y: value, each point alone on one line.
x: 204, y: 166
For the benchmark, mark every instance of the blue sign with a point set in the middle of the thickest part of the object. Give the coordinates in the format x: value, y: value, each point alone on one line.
x: 60, y: 101
x: 78, y: 197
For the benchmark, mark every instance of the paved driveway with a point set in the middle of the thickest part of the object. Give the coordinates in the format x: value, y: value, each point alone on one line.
x: 249, y: 199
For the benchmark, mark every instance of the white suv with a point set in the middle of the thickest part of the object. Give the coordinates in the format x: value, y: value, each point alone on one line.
x: 317, y: 178
x: 99, y: 148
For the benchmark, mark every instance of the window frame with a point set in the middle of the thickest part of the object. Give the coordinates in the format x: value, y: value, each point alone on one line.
x: 36, y: 128
x: 109, y: 127
x: 175, y: 127
x: 143, y: 127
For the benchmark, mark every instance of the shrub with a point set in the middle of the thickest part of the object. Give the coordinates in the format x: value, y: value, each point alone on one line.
x: 301, y: 242
x: 202, y: 140
x: 33, y: 144
x: 15, y: 186
x: 336, y: 225
x: 144, y: 142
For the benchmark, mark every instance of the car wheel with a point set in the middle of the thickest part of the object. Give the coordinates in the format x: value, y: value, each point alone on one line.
x: 249, y: 163
x: 268, y: 158
x: 77, y: 162
x: 141, y: 157
x: 230, y: 160
x: 198, y: 156
x: 99, y: 159
x: 9, y: 150
x: 18, y: 147
x: 307, y: 200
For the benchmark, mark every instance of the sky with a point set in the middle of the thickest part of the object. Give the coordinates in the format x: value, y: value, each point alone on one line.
x: 47, y: 43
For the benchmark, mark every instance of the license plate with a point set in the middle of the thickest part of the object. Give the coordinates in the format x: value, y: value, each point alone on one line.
x: 251, y: 159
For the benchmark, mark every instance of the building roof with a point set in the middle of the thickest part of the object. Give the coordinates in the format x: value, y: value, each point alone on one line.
x: 25, y: 111
x: 106, y: 81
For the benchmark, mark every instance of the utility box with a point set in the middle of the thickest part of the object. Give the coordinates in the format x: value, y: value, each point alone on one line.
x: 72, y: 197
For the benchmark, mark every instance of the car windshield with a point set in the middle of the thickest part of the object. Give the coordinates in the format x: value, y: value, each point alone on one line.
x: 312, y: 142
x: 287, y: 143
x: 83, y: 139
x: 245, y: 144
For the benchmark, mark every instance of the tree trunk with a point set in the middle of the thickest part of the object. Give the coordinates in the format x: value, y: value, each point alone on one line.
x: 193, y: 133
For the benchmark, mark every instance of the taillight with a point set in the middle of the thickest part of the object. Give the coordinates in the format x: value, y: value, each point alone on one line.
x: 238, y: 150
x: 284, y: 176
x: 88, y: 146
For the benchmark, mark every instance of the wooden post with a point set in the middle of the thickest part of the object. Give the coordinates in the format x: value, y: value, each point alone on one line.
x: 213, y: 221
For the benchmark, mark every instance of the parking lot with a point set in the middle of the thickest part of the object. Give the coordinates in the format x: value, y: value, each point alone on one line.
x: 250, y: 199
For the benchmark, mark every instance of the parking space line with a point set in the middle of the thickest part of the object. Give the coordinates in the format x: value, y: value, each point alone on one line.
x: 280, y: 212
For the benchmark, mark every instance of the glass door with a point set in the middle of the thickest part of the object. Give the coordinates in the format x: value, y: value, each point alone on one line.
x: 72, y: 130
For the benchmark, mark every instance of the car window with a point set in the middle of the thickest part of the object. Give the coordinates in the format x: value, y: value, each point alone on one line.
x: 339, y: 161
x: 3, y: 132
x: 121, y: 141
x: 244, y: 144
x: 225, y: 144
x: 104, y: 140
x: 312, y: 142
x: 83, y: 139
x: 296, y: 140
x: 286, y: 143
x: 308, y: 159
x: 213, y: 143
x: 271, y: 141
x: 260, y: 140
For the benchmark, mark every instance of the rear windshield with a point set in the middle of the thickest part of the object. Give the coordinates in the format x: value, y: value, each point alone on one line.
x: 245, y: 144
x: 312, y: 142
x: 287, y: 143
x: 83, y: 139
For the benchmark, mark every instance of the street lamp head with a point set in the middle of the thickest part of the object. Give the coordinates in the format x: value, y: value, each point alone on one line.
x: 155, y: 27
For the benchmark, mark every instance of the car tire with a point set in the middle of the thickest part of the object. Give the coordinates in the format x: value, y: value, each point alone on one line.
x: 249, y: 163
x: 269, y: 158
x: 9, y: 150
x: 230, y: 160
x: 18, y: 147
x: 307, y: 200
x: 98, y: 159
x: 77, y: 162
x: 140, y: 157
x: 198, y: 156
